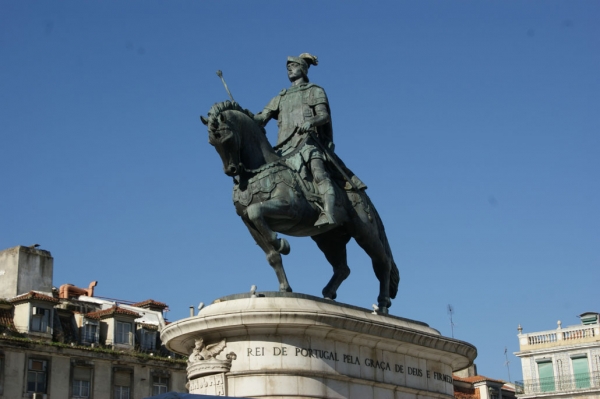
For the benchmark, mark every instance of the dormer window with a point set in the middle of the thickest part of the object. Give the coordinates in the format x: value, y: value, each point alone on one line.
x: 33, y: 314
x: 147, y: 338
x: 40, y: 319
x: 589, y: 318
x: 90, y: 332
x: 116, y: 326
x: 123, y: 333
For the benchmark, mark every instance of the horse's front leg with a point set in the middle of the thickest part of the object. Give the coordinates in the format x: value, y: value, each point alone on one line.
x: 267, y: 239
x: 257, y: 214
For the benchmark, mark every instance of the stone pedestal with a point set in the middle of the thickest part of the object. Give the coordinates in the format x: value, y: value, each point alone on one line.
x: 280, y: 345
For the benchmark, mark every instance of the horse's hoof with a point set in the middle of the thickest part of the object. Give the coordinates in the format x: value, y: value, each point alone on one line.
x: 330, y: 296
x: 284, y: 247
x: 383, y: 310
x: 285, y: 289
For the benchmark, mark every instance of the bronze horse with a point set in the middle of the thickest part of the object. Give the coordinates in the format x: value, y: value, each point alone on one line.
x: 271, y: 198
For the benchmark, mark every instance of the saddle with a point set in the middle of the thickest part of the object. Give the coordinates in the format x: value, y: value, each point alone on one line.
x: 286, y: 171
x: 260, y: 186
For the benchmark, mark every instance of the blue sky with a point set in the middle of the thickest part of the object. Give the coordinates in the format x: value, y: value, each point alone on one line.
x: 475, y: 124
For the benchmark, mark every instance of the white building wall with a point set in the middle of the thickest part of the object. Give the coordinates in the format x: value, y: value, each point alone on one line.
x: 58, y: 381
x: 102, y: 384
x: 24, y: 269
x: 14, y: 374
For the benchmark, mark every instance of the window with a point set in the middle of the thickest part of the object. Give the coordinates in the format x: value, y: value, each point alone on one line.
x: 37, y: 373
x: 123, y: 333
x: 1, y: 374
x: 90, y: 332
x: 121, y: 392
x: 589, y: 318
x: 147, y: 339
x: 546, y: 374
x: 39, y: 319
x: 160, y: 384
x: 581, y: 372
x: 82, y: 377
x: 122, y: 385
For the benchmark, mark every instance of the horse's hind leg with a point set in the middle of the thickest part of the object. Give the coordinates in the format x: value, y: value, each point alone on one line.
x: 370, y: 241
x: 273, y: 256
x: 333, y: 244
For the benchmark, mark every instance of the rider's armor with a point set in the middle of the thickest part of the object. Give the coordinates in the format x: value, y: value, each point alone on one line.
x: 291, y: 108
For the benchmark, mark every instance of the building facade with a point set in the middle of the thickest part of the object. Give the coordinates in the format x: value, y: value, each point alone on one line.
x: 469, y: 385
x: 561, y: 363
x: 68, y: 343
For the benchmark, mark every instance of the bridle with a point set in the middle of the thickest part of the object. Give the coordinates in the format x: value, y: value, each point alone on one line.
x: 280, y: 161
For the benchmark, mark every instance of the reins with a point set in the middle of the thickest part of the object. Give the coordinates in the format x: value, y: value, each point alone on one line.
x: 280, y: 161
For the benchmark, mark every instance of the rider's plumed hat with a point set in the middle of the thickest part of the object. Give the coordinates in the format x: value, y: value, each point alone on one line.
x: 305, y: 60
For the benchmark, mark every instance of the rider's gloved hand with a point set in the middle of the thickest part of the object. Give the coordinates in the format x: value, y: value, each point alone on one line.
x: 306, y: 126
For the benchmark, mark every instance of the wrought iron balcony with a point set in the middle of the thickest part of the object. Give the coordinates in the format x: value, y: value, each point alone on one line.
x: 559, y: 384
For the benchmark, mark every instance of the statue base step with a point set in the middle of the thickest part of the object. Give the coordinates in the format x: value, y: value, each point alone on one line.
x: 286, y: 345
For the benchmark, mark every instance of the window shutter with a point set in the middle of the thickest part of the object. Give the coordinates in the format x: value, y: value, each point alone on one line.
x: 580, y: 365
x: 82, y: 374
x: 546, y: 373
x: 581, y: 372
x: 122, y: 379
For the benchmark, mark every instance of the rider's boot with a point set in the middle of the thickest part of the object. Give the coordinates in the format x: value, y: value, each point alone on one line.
x: 328, y: 195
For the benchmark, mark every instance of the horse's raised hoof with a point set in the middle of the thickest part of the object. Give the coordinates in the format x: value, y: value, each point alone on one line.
x: 284, y: 247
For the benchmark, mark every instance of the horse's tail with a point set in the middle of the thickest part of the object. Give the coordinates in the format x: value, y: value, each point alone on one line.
x: 394, y: 272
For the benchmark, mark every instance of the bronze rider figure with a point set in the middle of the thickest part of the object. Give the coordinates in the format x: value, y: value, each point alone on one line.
x: 302, y: 108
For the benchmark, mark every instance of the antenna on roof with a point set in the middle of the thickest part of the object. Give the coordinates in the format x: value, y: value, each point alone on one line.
x: 450, y: 312
x: 506, y: 363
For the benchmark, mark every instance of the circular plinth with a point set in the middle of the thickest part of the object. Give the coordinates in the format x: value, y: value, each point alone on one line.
x: 297, y: 346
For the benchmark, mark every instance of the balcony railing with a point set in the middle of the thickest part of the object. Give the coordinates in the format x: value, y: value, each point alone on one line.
x: 560, y: 336
x: 89, y: 338
x: 558, y: 384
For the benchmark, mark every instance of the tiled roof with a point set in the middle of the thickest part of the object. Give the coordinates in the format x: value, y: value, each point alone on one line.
x: 150, y: 303
x: 35, y: 296
x: 476, y: 378
x: 6, y: 320
x: 466, y: 393
x: 508, y: 388
x: 149, y: 326
x: 115, y: 310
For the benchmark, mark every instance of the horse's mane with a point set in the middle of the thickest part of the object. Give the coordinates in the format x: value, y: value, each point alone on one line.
x: 217, y: 108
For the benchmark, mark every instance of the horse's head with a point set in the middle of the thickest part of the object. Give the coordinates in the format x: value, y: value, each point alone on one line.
x: 239, y: 140
x: 223, y: 134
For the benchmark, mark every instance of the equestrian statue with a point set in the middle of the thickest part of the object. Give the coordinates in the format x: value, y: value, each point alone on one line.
x: 300, y: 187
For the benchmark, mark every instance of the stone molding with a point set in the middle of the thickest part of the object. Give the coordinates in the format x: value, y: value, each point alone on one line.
x: 292, y: 315
x: 290, y: 346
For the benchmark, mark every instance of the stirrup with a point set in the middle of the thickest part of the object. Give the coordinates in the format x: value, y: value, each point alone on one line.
x: 324, y: 219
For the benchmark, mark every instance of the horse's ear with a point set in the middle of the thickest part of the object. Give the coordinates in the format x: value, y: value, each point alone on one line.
x: 204, y: 120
